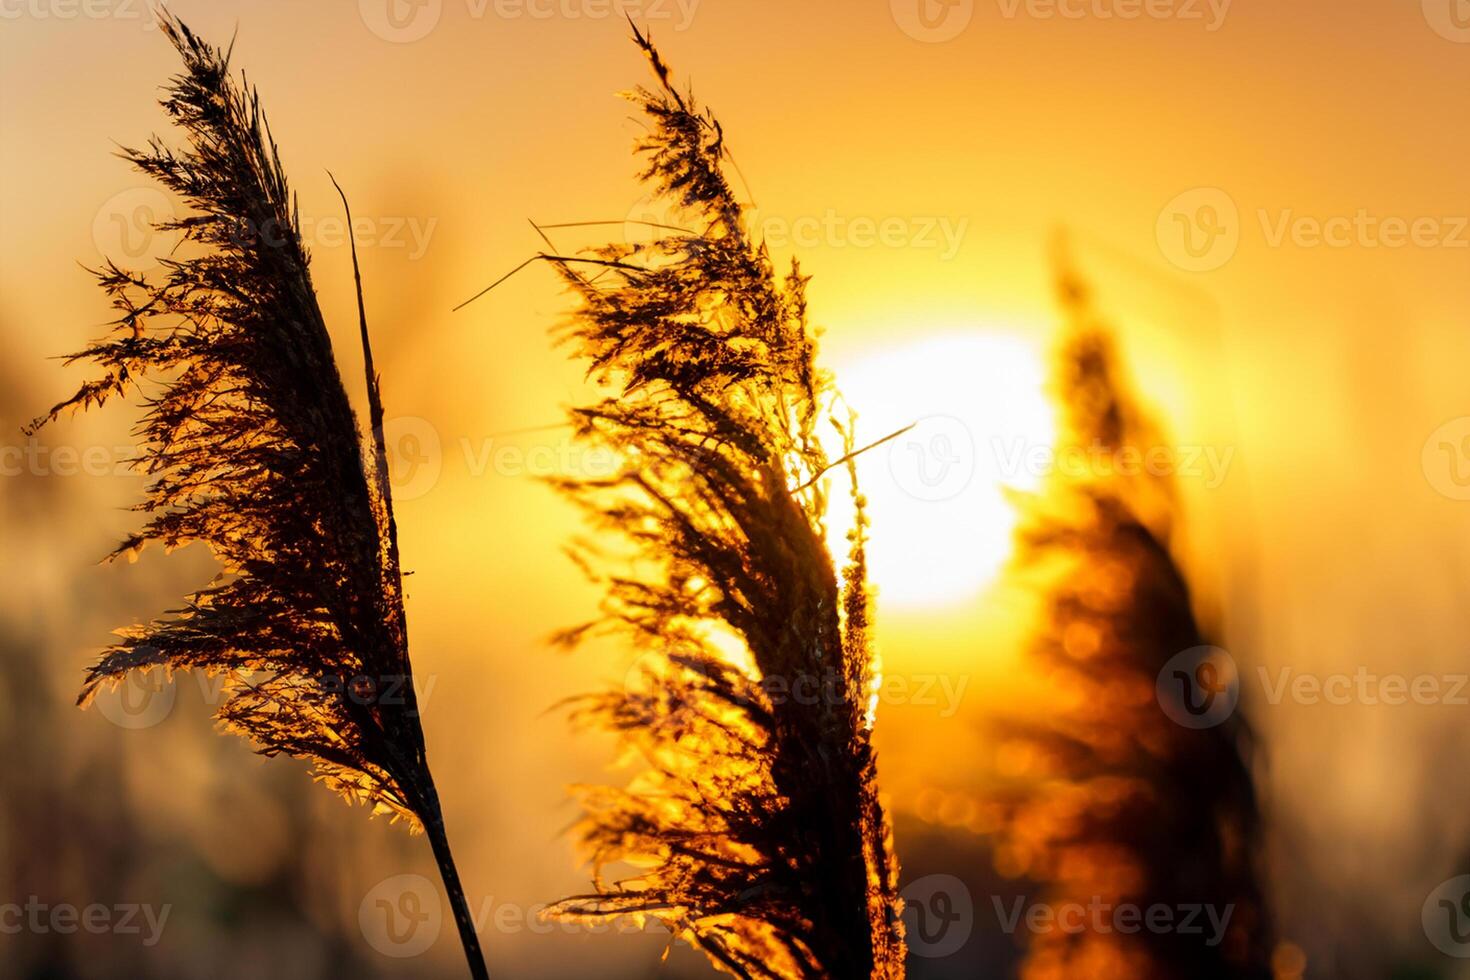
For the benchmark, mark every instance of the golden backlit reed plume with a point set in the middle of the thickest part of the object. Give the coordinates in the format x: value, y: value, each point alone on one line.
x: 1122, y: 804
x: 756, y: 827
x: 253, y: 448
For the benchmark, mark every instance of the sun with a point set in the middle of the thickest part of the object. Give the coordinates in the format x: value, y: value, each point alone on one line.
x: 942, y: 525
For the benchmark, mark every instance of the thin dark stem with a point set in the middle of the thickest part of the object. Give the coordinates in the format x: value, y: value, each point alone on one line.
x: 561, y: 260
x: 439, y: 840
x: 495, y: 283
x: 381, y: 479
x: 854, y: 455
x: 625, y: 221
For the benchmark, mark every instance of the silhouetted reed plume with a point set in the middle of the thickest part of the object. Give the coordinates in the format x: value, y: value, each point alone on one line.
x: 1124, y: 805
x: 253, y: 449
x: 755, y: 830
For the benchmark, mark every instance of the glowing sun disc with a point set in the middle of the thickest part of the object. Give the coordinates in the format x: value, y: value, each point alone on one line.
x: 941, y: 524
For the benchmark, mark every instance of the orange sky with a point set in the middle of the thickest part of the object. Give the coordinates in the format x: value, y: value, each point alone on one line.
x: 1323, y: 368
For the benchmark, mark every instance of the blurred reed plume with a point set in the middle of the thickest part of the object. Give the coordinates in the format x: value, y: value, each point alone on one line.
x: 1123, y: 804
x: 253, y: 449
x: 756, y: 828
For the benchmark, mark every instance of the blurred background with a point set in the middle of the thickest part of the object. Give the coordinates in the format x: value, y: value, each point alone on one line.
x: 1269, y: 201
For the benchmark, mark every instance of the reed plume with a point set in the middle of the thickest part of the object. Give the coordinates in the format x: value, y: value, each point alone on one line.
x: 253, y: 448
x: 1128, y: 805
x: 756, y: 825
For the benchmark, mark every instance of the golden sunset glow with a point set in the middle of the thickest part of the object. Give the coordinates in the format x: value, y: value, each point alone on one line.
x: 1177, y: 288
x: 942, y: 523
